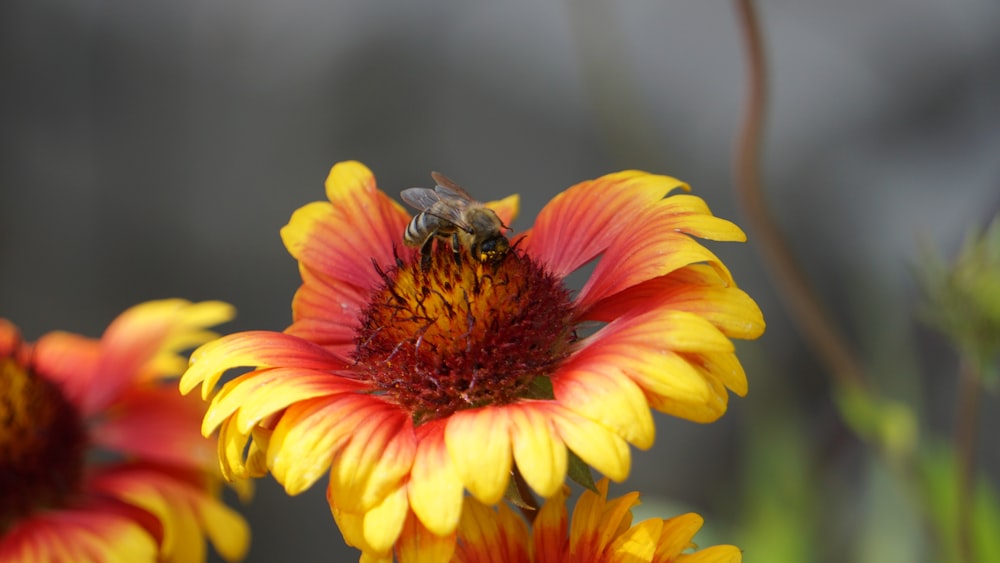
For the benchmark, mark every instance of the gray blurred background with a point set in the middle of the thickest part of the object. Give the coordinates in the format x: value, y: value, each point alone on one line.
x: 154, y: 149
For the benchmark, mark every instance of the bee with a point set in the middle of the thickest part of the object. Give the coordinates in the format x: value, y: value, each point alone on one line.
x: 448, y: 211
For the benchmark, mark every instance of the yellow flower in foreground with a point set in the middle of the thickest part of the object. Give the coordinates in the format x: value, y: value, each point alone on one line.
x: 601, y: 531
x: 410, y: 383
x: 100, y: 459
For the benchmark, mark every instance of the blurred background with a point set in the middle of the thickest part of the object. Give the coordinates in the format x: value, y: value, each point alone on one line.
x: 154, y: 149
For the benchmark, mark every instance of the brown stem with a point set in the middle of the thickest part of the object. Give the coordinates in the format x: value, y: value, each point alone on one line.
x: 966, y: 432
x: 802, y: 302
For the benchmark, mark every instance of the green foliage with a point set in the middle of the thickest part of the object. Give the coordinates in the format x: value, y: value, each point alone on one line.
x: 540, y: 388
x: 890, y: 425
x: 891, y: 526
x: 780, y: 520
x: 939, y: 480
x: 963, y: 299
x: 579, y: 472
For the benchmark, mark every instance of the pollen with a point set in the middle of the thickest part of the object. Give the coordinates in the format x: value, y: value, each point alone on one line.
x: 42, y: 443
x: 459, y: 333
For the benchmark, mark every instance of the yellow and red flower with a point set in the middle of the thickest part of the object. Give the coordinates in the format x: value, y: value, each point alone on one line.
x: 410, y: 384
x: 101, y: 458
x: 600, y: 531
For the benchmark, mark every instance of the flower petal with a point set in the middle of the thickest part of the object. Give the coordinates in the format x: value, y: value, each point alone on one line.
x: 723, y: 367
x: 506, y: 208
x: 689, y: 214
x: 582, y: 221
x: 650, y: 247
x: 487, y: 535
x: 142, y: 333
x: 157, y: 424
x: 435, y: 487
x: 539, y: 453
x: 140, y: 487
x: 259, y: 394
x: 638, y: 543
x: 374, y: 532
x: 10, y: 339
x: 254, y: 349
x: 241, y: 454
x: 701, y: 410
x: 588, y: 388
x: 714, y: 554
x: 341, y: 238
x: 89, y: 533
x: 597, y: 446
x: 696, y: 289
x: 585, y: 525
x: 480, y: 447
x: 549, y: 528
x: 419, y: 544
x: 677, y: 534
x: 68, y: 359
x: 616, y: 517
x: 306, y: 439
x: 187, y: 509
x: 366, y: 439
x: 225, y: 528
x: 647, y: 347
x: 378, y: 457
x: 326, y: 311
x: 597, y: 521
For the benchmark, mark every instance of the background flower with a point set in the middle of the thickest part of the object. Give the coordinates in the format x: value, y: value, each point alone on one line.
x: 600, y: 531
x: 101, y: 457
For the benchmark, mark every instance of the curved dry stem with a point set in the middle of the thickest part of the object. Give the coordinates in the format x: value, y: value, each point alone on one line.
x: 793, y: 287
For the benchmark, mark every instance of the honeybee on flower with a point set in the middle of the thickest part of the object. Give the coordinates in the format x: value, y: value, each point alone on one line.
x: 448, y: 211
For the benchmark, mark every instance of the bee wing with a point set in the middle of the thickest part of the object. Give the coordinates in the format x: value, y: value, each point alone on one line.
x: 430, y: 202
x: 420, y: 198
x: 449, y: 188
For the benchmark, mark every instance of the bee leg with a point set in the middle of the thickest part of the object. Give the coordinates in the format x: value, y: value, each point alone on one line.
x: 425, y: 254
x: 456, y: 249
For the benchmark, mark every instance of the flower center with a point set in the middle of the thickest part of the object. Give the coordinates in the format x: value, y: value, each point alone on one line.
x: 42, y: 443
x: 454, y: 334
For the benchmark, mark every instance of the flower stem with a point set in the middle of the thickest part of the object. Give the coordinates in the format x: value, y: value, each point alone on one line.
x: 819, y: 331
x: 966, y: 432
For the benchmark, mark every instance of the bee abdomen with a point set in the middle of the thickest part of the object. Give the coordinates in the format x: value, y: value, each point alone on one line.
x: 421, y: 228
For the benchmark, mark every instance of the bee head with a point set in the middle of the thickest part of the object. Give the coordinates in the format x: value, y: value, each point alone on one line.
x: 493, y: 249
